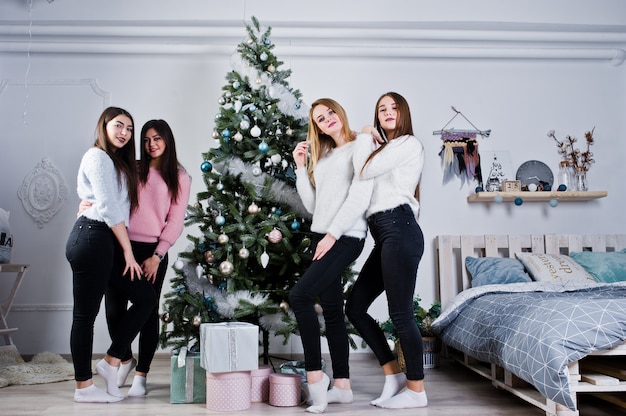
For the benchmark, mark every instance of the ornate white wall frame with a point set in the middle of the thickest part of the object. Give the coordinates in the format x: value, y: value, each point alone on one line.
x: 106, y: 96
x: 43, y: 192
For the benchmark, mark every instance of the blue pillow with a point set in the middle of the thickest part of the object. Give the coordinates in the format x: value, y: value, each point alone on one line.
x: 605, y: 267
x: 495, y: 270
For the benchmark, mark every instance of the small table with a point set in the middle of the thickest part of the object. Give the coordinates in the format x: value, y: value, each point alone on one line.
x: 5, y: 308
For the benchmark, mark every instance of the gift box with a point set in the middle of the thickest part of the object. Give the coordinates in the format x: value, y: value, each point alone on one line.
x: 285, y: 390
x: 188, y: 379
x: 229, y: 346
x: 228, y: 392
x: 260, y: 384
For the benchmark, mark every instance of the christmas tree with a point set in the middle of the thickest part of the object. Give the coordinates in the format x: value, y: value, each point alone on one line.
x: 254, y: 241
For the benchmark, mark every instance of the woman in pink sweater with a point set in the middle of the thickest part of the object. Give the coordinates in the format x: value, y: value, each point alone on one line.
x: 164, y: 188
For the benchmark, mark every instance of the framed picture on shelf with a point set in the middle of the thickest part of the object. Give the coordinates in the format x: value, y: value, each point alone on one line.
x: 496, y: 168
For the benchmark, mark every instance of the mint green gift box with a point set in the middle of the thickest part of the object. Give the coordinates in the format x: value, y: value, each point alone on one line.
x: 188, y: 379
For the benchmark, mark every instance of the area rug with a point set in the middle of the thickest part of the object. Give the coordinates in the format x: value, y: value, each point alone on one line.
x: 45, y: 367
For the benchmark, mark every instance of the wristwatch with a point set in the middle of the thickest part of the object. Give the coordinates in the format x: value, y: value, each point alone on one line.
x: 159, y: 256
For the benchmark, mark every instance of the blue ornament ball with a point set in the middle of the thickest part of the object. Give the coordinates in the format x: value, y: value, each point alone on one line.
x: 518, y: 201
x: 267, y: 41
x: 562, y: 187
x: 236, y: 84
x: 206, y: 166
x: 295, y: 225
x: 553, y: 203
x: 478, y: 189
x: 263, y: 56
x: 547, y: 188
x: 497, y: 199
x: 226, y: 133
x: 278, y: 211
x: 263, y: 147
x: 220, y: 220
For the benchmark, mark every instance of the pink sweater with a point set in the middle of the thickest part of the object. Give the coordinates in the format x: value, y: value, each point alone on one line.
x: 157, y: 218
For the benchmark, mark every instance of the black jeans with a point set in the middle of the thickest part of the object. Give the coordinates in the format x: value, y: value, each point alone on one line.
x: 90, y: 250
x: 118, y: 293
x: 129, y: 322
x: 391, y: 267
x: 323, y: 279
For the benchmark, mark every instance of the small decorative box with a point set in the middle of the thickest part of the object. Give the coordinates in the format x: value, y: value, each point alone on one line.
x: 285, y: 389
x: 188, y: 380
x: 260, y: 384
x: 228, y: 392
x: 229, y: 346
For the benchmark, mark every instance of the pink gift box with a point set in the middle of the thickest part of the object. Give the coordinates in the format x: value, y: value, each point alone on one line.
x: 260, y: 384
x: 228, y: 392
x: 285, y: 389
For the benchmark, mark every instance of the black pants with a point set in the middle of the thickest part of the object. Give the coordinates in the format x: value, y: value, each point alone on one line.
x: 323, y: 279
x: 391, y: 267
x: 125, y: 323
x: 90, y: 250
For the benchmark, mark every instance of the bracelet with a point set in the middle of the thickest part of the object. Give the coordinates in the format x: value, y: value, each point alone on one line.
x: 158, y: 255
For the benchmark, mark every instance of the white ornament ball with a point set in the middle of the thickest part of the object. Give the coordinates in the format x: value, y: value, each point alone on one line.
x: 244, y: 124
x: 255, y: 131
x: 178, y: 264
x: 256, y: 171
x: 284, y: 306
x: 271, y: 68
x: 244, y: 253
x: 276, y: 158
x: 222, y: 239
x: 532, y: 187
x: 226, y: 267
x: 238, y: 137
x: 196, y: 320
x: 289, y: 132
x: 253, y: 208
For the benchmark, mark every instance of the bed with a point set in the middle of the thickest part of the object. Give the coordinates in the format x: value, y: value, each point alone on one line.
x: 544, y: 339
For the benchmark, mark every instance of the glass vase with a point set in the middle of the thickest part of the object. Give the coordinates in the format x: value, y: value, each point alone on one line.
x: 581, y: 180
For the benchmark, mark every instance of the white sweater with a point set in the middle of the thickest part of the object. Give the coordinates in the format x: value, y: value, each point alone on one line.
x: 396, y: 171
x: 97, y: 183
x: 339, y: 200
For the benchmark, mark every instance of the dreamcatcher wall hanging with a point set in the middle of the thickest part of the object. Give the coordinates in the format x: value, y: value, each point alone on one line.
x: 459, y: 152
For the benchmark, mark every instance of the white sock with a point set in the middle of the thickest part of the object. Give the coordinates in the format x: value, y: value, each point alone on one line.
x: 393, y: 384
x: 337, y: 395
x: 139, y: 387
x: 405, y: 400
x: 109, y: 373
x: 124, y: 371
x: 318, y: 393
x: 92, y: 394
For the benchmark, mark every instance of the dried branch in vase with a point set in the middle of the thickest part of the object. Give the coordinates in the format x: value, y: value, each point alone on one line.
x: 577, y: 159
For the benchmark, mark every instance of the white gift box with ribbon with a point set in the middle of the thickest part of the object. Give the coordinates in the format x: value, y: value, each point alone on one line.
x: 229, y: 346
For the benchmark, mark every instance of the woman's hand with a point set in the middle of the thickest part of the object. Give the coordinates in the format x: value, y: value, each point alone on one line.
x: 132, y: 266
x: 150, y: 267
x: 300, y: 154
x: 371, y: 130
x: 324, y: 246
x: 84, y: 205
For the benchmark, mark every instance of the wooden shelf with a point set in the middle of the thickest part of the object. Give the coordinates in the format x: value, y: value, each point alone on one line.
x: 538, y: 196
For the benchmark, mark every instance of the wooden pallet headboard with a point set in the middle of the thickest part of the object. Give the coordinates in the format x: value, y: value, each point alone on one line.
x: 453, y: 249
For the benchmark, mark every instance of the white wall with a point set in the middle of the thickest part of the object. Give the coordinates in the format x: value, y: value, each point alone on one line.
x: 519, y: 69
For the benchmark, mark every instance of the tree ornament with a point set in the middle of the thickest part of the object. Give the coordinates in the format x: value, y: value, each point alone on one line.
x: 221, y: 101
x: 244, y: 124
x: 196, y: 320
x: 267, y: 41
x: 244, y: 253
x: 226, y: 133
x: 226, y: 267
x: 263, y: 147
x: 238, y: 106
x: 284, y: 306
x: 236, y: 84
x: 256, y: 171
x: 253, y: 208
x: 258, y: 81
x: 276, y: 158
x: 278, y: 211
x: 263, y: 57
x: 178, y: 264
x: 553, y: 202
x: 238, y: 137
x: 271, y: 69
x: 265, y: 259
x: 219, y: 186
x: 255, y: 131
x: 220, y: 220
x: 295, y: 225
x: 275, y: 236
x: 206, y: 166
x: 165, y: 317
x: 518, y: 201
x: 222, y: 239
x: 209, y: 257
x: 289, y: 132
x: 215, y: 135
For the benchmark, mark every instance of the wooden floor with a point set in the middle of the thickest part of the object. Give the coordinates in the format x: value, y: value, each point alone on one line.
x: 452, y: 391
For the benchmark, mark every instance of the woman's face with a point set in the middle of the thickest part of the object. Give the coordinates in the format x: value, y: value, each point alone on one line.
x: 119, y: 131
x: 327, y: 120
x: 154, y: 144
x: 387, y: 113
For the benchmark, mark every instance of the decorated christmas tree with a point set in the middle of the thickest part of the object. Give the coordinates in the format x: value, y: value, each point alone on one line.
x: 254, y: 240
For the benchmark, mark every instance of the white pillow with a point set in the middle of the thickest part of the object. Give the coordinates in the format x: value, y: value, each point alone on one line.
x: 553, y: 268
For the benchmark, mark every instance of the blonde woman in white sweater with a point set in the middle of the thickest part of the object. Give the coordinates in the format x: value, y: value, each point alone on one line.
x: 338, y: 200
x: 395, y: 167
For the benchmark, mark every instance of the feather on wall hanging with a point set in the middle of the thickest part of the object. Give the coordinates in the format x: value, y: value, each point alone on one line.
x: 459, y: 152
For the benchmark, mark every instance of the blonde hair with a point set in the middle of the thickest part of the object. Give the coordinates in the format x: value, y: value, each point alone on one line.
x: 319, y: 142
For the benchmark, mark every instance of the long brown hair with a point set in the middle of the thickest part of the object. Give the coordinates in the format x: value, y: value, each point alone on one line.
x: 169, y: 165
x: 123, y: 158
x: 319, y: 142
x: 404, y: 126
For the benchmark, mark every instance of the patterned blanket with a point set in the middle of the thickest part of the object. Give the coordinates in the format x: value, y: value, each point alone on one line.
x: 535, y: 329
